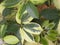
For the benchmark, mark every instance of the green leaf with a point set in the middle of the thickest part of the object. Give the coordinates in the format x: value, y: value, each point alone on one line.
x: 52, y: 35
x: 22, y: 15
x: 19, y: 13
x: 33, y: 28
x: 50, y: 42
x: 49, y: 14
x: 37, y: 38
x: 32, y: 10
x: 20, y: 36
x: 10, y: 39
x: 3, y: 28
x: 1, y: 8
x: 7, y: 11
x: 27, y: 36
x: 44, y: 41
x: 9, y: 14
x: 12, y: 28
x: 10, y: 3
x: 57, y: 4
x: 58, y: 28
x: 48, y: 26
x: 36, y: 2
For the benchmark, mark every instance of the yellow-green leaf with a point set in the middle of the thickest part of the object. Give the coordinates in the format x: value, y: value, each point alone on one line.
x: 11, y: 39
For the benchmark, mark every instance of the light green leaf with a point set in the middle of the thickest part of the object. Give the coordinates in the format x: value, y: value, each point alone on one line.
x: 48, y: 26
x: 52, y: 35
x: 49, y: 42
x: 32, y: 10
x: 57, y: 4
x: 1, y: 8
x: 36, y: 2
x: 37, y: 38
x: 33, y: 28
x: 3, y: 28
x: 10, y: 39
x: 44, y: 41
x: 10, y: 3
x: 58, y: 28
x: 27, y: 36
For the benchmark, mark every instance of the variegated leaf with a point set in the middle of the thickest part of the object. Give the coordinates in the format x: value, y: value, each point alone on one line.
x: 21, y: 38
x: 19, y: 13
x: 27, y: 36
x: 23, y: 16
x: 26, y: 18
x: 3, y: 28
x: 33, y: 28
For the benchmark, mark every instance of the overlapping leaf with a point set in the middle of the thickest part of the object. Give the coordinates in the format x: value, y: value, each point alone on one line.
x: 3, y: 28
x: 26, y: 18
x: 33, y: 28
x: 58, y: 28
x: 44, y: 41
x: 23, y: 16
x: 36, y: 2
x: 37, y: 38
x: 12, y: 28
x: 19, y: 35
x: 1, y: 8
x: 48, y: 26
x: 19, y: 13
x: 52, y: 35
x: 10, y: 3
x: 49, y: 13
x: 32, y: 10
x: 27, y: 36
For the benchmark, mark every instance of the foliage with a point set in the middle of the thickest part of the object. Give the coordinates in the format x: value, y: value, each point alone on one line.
x: 22, y: 22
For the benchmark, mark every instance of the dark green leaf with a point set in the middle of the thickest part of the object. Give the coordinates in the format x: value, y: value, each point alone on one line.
x: 32, y: 10
x: 10, y: 3
x: 49, y: 13
x: 12, y: 28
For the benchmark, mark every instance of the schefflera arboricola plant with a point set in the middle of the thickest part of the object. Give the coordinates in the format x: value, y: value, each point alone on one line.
x: 25, y: 13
